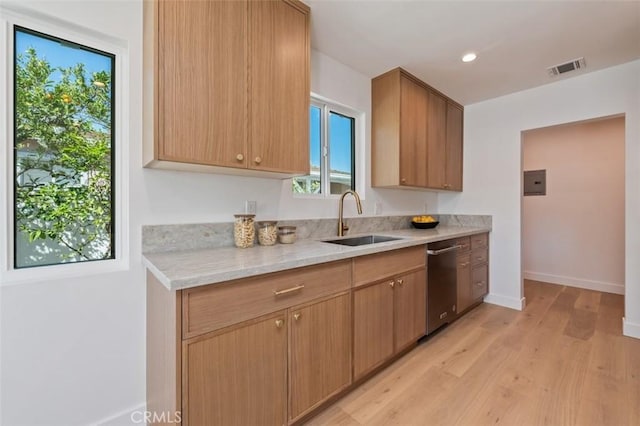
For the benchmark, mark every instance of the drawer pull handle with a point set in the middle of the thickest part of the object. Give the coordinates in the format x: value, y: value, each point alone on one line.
x: 279, y: 323
x: 479, y: 258
x: 480, y: 283
x: 464, y: 265
x: 289, y: 290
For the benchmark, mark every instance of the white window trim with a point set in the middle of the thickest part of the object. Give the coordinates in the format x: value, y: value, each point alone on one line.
x: 14, y: 15
x: 321, y: 101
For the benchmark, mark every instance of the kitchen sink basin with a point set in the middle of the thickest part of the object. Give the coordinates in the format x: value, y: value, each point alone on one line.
x: 362, y: 241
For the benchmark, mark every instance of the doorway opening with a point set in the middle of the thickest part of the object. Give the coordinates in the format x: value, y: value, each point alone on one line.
x: 573, y: 213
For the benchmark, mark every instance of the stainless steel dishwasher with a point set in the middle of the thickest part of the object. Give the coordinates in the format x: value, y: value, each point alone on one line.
x: 441, y: 283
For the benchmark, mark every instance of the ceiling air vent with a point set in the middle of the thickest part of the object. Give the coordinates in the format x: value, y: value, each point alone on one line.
x: 576, y: 64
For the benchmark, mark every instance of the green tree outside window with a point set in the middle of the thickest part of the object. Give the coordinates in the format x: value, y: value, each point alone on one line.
x: 63, y: 153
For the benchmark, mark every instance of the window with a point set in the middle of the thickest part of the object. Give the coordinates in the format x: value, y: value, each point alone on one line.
x: 332, y: 143
x: 63, y: 140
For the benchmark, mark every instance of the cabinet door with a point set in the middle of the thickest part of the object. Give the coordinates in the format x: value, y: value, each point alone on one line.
x: 238, y: 377
x: 464, y: 296
x: 279, y: 87
x: 480, y: 281
x: 319, y: 353
x: 410, y: 308
x: 372, y: 326
x: 202, y: 82
x: 436, y: 141
x: 453, y: 173
x: 413, y: 131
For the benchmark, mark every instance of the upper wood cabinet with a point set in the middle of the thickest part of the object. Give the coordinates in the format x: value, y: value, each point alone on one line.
x: 413, y: 128
x: 227, y: 86
x: 416, y: 134
x: 279, y: 86
x: 453, y: 154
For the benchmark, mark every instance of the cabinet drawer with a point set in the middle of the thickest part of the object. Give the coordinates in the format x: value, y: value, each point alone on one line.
x: 464, y: 243
x: 378, y: 266
x: 463, y: 262
x: 479, y: 255
x: 215, y: 306
x: 479, y: 281
x: 480, y: 240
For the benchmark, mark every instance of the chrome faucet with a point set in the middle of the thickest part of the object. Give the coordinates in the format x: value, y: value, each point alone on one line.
x: 342, y: 228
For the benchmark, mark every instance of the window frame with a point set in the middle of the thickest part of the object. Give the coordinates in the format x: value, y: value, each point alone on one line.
x: 114, y: 126
x: 60, y: 29
x: 357, y: 165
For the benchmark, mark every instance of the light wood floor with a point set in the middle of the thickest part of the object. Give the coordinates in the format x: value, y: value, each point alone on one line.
x: 561, y: 361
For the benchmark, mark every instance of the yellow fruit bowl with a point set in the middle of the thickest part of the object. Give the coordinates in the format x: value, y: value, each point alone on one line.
x: 424, y: 225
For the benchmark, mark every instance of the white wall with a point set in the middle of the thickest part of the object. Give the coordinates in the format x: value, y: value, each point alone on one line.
x: 73, y: 350
x: 574, y: 234
x: 492, y: 159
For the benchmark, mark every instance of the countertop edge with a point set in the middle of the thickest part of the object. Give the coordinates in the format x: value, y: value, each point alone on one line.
x: 180, y: 281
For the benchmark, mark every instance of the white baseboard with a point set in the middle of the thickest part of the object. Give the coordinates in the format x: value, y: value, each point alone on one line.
x: 574, y: 282
x: 128, y: 417
x: 630, y: 329
x: 507, y: 302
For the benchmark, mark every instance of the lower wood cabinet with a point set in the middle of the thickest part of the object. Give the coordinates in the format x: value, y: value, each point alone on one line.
x: 472, y: 270
x: 286, y: 351
x: 238, y: 376
x: 372, y: 326
x: 228, y: 372
x: 271, y: 349
x: 319, y: 352
x: 387, y: 317
x: 410, y: 304
x: 479, y: 280
x: 464, y: 294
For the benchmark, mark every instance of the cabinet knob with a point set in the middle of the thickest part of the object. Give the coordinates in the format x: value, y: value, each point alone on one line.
x: 258, y: 160
x: 297, y: 316
x: 400, y: 281
x: 480, y: 283
x: 403, y: 180
x: 239, y: 157
x: 392, y: 283
x: 279, y: 323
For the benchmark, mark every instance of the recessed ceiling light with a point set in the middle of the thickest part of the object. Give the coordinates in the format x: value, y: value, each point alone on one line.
x: 469, y: 57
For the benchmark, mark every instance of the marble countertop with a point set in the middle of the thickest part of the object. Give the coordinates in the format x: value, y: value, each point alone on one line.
x: 190, y: 268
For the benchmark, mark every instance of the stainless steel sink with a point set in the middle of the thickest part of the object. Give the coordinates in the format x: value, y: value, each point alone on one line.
x: 362, y: 241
